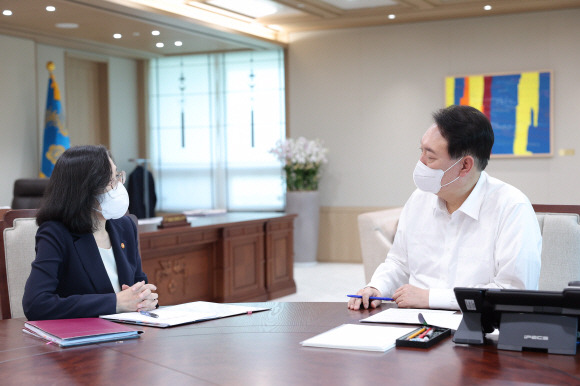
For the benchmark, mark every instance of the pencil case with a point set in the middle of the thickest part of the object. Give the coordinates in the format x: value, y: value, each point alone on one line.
x: 437, y: 336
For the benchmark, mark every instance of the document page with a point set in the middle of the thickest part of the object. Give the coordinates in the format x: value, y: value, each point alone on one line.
x: 183, y: 313
x: 358, y: 337
x: 439, y: 318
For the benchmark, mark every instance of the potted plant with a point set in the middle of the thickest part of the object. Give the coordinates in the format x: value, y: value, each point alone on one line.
x: 302, y: 160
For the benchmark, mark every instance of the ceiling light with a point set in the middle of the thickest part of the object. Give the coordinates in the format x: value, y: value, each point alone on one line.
x: 198, y: 12
x: 50, y: 8
x: 67, y: 25
x: 392, y: 16
x: 155, y: 33
x: 117, y: 36
x: 159, y: 45
x: 178, y: 43
x: 253, y: 8
x: 7, y: 12
x: 487, y: 7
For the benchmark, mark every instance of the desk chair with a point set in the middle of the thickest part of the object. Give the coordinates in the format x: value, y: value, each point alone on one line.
x: 560, y: 227
x: 28, y: 193
x: 17, y: 242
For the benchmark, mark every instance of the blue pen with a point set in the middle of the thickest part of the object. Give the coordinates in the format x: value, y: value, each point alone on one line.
x: 150, y: 314
x: 371, y: 298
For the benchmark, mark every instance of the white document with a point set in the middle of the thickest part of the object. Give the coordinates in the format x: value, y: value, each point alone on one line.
x: 439, y: 318
x: 358, y: 337
x: 183, y: 313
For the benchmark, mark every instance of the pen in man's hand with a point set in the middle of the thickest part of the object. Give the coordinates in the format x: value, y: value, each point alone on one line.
x: 371, y: 298
x: 147, y: 313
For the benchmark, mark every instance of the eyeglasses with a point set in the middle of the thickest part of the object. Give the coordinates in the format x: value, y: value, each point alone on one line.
x: 119, y: 177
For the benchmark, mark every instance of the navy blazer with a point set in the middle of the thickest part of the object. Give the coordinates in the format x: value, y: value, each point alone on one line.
x: 68, y: 278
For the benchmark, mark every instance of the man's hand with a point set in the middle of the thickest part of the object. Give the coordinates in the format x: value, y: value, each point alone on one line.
x: 409, y: 296
x: 138, y: 297
x: 363, y: 303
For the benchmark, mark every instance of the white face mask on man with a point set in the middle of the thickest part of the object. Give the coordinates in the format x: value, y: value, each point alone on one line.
x: 429, y: 180
x: 114, y: 203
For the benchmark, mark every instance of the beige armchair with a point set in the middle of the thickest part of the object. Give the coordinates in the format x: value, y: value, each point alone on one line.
x: 559, y: 225
x: 18, y: 230
x: 377, y: 232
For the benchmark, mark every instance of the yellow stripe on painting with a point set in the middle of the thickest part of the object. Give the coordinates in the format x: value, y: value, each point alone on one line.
x: 476, y: 88
x: 528, y: 101
x: 449, y: 91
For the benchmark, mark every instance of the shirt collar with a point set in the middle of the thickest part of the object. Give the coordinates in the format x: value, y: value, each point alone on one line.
x: 472, y: 205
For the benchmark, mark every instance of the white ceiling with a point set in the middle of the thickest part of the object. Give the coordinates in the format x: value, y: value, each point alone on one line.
x: 98, y: 20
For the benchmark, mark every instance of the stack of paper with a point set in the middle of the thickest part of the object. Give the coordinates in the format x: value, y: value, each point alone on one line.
x: 183, y: 313
x: 358, y: 337
x: 75, y: 332
x: 204, y: 212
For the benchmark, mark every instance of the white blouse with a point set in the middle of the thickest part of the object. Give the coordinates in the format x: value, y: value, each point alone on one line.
x: 111, y: 266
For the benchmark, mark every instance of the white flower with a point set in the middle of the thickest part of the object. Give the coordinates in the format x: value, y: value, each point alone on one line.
x: 300, y: 151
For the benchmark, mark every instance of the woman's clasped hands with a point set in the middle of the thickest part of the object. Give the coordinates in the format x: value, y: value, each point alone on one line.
x: 138, y: 297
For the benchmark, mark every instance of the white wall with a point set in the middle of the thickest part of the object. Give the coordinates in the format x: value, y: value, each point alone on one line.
x: 369, y: 94
x: 23, y: 91
x: 123, y: 112
x: 18, y: 123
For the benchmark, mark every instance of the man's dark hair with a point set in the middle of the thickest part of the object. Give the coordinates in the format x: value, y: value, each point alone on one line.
x: 80, y: 174
x: 467, y: 131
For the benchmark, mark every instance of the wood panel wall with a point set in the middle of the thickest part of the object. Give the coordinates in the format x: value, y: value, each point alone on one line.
x: 338, y: 236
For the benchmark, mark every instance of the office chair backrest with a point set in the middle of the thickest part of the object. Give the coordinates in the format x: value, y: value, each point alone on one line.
x: 377, y: 231
x: 17, y: 251
x: 560, y: 227
x: 28, y: 193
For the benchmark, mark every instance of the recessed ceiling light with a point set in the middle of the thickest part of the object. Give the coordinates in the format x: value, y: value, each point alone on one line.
x: 67, y: 25
x: 155, y: 33
x: 178, y: 43
x: 487, y: 7
x: 117, y: 36
x: 159, y: 45
x: 50, y: 8
x: 252, y: 8
x: 7, y: 12
x: 392, y: 16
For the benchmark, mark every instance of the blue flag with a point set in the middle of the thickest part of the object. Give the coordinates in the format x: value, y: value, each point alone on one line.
x: 56, y: 139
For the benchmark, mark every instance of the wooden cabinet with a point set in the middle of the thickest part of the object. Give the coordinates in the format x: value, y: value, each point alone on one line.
x: 237, y: 257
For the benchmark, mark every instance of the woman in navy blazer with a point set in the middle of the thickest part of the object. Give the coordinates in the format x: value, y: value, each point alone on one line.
x: 81, y: 221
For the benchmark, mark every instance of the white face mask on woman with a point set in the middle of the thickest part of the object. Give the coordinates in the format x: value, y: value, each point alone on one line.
x: 114, y: 203
x: 429, y: 180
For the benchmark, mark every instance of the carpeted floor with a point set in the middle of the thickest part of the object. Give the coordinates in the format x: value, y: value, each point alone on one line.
x: 325, y: 282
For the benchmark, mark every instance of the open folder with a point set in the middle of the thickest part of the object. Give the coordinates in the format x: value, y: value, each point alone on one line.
x: 439, y: 318
x: 182, y: 314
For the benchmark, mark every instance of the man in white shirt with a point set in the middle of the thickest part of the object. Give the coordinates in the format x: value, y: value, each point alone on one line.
x: 461, y: 227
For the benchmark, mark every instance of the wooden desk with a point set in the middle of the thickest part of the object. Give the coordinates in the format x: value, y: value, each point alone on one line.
x: 264, y: 349
x: 236, y: 257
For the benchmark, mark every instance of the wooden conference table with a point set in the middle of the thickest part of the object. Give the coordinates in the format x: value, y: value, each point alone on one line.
x: 263, y: 349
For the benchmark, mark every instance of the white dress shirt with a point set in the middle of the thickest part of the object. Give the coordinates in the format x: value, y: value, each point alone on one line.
x: 493, y: 241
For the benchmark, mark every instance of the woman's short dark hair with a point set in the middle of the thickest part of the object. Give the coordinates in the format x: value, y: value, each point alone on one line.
x: 80, y: 174
x: 467, y: 131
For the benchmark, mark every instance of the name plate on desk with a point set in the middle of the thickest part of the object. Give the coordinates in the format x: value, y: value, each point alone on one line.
x: 178, y: 220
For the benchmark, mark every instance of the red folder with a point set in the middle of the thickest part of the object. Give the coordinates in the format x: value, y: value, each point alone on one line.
x: 75, y: 332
